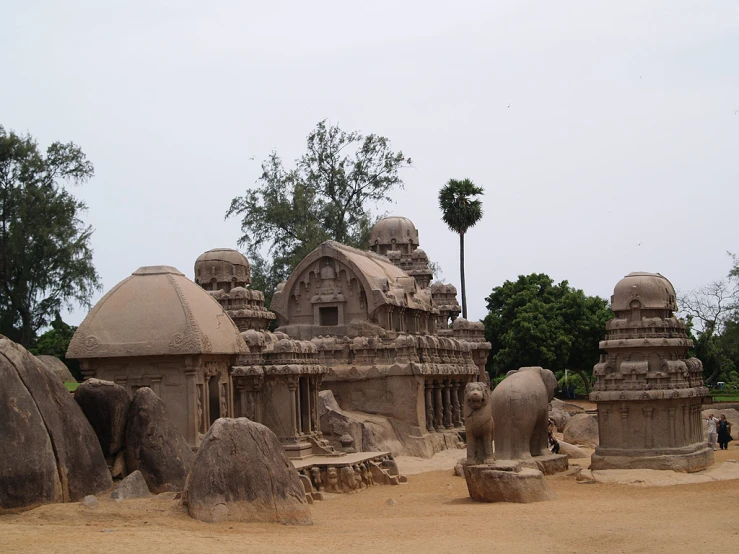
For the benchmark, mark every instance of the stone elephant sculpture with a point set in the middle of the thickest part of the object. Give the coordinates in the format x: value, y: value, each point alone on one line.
x: 520, y: 410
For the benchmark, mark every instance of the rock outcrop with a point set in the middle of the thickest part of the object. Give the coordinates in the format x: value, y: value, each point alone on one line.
x: 57, y: 367
x: 571, y: 450
x: 582, y: 429
x: 105, y: 405
x: 48, y: 450
x: 133, y: 486
x: 154, y: 445
x: 241, y: 473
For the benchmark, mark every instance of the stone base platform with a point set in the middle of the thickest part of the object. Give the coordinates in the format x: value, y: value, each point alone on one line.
x: 549, y: 464
x: 346, y: 474
x: 689, y: 459
x: 507, y: 481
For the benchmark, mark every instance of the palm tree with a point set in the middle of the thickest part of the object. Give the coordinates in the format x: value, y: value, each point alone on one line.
x: 461, y: 210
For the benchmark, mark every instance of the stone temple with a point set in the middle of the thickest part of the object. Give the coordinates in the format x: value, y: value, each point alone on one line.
x: 648, y: 391
x: 389, y: 349
x: 366, y: 327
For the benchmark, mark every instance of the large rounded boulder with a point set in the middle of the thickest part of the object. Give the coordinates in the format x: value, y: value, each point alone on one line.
x: 582, y: 429
x: 154, y: 445
x: 105, y: 404
x: 241, y: 473
x: 48, y: 450
x: 58, y: 367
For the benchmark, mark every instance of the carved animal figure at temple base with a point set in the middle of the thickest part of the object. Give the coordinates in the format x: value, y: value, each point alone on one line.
x: 521, y: 408
x: 332, y: 480
x: 348, y: 480
x: 478, y: 422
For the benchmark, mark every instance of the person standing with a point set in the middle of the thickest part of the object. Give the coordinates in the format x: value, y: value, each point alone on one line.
x: 724, y: 432
x: 712, y: 436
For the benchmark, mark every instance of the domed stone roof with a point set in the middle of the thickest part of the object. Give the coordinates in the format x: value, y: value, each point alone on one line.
x: 394, y: 229
x: 652, y: 290
x: 224, y: 265
x: 156, y: 311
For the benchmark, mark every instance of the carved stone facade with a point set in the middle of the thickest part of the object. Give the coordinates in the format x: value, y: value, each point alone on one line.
x: 376, y: 326
x: 649, y: 392
x: 276, y: 382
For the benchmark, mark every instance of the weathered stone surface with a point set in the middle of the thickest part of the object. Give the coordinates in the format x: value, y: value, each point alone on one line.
x: 561, y: 412
x: 478, y: 423
x: 571, y: 450
x: 48, y: 451
x: 582, y: 429
x: 90, y: 501
x: 488, y: 483
x: 520, y: 410
x: 154, y: 445
x: 105, y: 406
x: 241, y: 473
x: 57, y: 367
x: 648, y: 388
x: 550, y: 464
x: 133, y: 486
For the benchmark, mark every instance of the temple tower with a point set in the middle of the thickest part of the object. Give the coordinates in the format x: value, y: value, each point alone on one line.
x: 648, y: 391
x: 396, y: 238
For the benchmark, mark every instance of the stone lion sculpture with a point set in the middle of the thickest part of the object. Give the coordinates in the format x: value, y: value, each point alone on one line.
x: 478, y: 423
x: 521, y: 407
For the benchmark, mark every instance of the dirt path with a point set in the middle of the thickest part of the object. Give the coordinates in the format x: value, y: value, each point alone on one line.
x: 432, y: 513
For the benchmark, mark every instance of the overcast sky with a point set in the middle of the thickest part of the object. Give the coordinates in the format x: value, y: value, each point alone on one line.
x: 605, y: 134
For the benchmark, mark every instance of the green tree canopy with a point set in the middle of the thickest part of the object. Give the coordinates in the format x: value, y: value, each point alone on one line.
x: 461, y: 210
x: 535, y: 322
x: 45, y: 254
x: 326, y: 196
x: 55, y: 342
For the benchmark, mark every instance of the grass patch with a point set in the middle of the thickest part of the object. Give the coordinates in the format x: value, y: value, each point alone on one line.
x: 71, y: 385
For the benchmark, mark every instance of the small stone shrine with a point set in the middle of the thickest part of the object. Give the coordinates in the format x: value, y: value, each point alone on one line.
x: 158, y: 329
x: 648, y: 391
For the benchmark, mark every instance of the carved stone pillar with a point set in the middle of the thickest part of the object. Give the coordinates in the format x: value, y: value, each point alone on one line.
x: 624, y: 423
x: 429, y: 406
x: 206, y: 406
x: 456, y: 412
x: 648, y: 431
x: 438, y: 407
x: 192, y: 407
x: 243, y: 399
x: 258, y: 382
x: 686, y: 425
x: 460, y: 399
x: 447, y: 405
x: 673, y: 435
x: 292, y: 387
x: 316, y: 383
x: 298, y: 408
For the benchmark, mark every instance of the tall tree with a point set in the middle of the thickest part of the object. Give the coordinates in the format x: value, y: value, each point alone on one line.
x: 714, y: 311
x: 326, y: 196
x: 461, y: 210
x: 45, y: 254
x: 534, y: 322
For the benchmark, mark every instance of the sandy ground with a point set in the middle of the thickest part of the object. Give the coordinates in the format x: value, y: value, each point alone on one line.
x: 432, y: 513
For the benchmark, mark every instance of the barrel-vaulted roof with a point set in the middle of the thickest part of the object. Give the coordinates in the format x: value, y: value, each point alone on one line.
x: 156, y: 311
x: 383, y: 282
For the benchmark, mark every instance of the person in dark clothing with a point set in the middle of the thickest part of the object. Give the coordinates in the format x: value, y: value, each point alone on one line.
x: 724, y: 432
x: 564, y: 391
x: 571, y: 392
